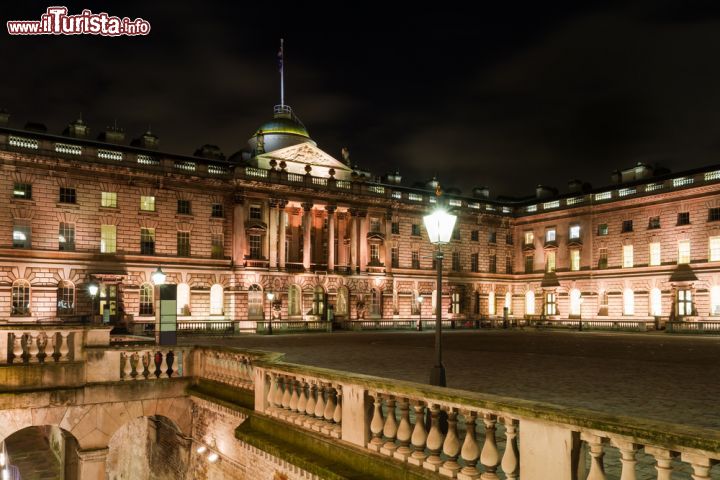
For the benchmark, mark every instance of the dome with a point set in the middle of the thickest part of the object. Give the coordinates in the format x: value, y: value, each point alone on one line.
x: 291, y: 126
x: 284, y: 130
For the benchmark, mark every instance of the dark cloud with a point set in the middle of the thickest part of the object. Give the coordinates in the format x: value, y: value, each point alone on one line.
x: 506, y: 97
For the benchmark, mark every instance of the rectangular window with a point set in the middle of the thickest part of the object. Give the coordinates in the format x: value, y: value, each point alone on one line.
x: 474, y: 262
x: 550, y: 304
x: 147, y: 203
x: 255, y: 212
x: 529, y: 238
x: 474, y: 235
x: 574, y: 232
x: 508, y: 264
x: 21, y: 236
x: 147, y: 241
x: 602, y: 229
x: 108, y: 199
x: 184, y: 207
x: 23, y: 191
x: 627, y: 226
x: 653, y: 223
x: 66, y: 237
x: 374, y: 254
x: 714, y: 249
x: 217, y: 250
x: 255, y: 247
x: 575, y: 260
x: 713, y: 214
x: 108, y: 235
x: 375, y: 225
x: 395, y: 257
x: 684, y: 251
x: 627, y: 256
x: 603, y: 258
x: 415, y: 259
x: 550, y: 235
x: 683, y: 218
x: 529, y: 263
x: 183, y: 244
x: 456, y: 261
x: 509, y: 239
x: 685, y: 305
x: 550, y: 261
x: 67, y: 195
x: 395, y: 228
x: 655, y: 254
x: 416, y: 229
x: 492, y: 236
x: 456, y: 233
x: 217, y: 210
x: 492, y: 263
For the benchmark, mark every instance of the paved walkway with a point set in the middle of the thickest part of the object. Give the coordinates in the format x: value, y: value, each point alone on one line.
x: 655, y: 376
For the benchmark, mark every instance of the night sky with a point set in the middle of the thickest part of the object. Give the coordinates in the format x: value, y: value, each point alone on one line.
x: 503, y: 97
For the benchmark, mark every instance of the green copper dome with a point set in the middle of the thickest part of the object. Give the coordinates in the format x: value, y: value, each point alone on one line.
x: 291, y: 126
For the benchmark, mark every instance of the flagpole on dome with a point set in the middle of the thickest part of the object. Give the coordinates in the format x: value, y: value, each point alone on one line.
x: 281, y: 65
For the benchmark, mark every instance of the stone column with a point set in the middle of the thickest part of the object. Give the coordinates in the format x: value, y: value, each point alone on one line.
x: 307, y: 225
x: 283, y: 233
x: 91, y: 463
x: 342, y: 257
x: 273, y: 233
x: 363, y: 241
x: 331, y: 237
x: 353, y: 240
x: 238, y: 244
x: 388, y: 242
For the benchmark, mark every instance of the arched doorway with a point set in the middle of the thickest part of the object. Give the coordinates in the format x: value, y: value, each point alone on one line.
x: 342, y: 302
x: 255, y: 302
x: 294, y: 301
x: 44, y: 451
x: 375, y: 303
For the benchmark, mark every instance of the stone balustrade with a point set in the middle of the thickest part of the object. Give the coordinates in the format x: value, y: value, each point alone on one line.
x: 41, y: 344
x: 228, y: 366
x: 151, y: 364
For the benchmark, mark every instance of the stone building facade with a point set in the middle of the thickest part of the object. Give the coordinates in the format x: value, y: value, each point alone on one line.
x: 321, y: 234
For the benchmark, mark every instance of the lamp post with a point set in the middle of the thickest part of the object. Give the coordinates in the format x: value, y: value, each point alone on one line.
x: 439, y: 226
x: 158, y: 277
x: 270, y: 297
x: 419, y: 301
x: 93, y: 289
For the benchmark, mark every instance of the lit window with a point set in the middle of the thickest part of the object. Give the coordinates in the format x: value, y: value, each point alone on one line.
x: 655, y: 302
x: 108, y: 199
x: 685, y: 305
x: 216, y: 300
x: 529, y: 238
x: 456, y: 302
x: 491, y: 303
x: 628, y: 302
x: 508, y: 302
x: 147, y: 203
x: 341, y: 301
x: 715, y: 300
x: 294, y: 300
x: 65, y: 298
x: 575, y: 260
x: 575, y: 302
x: 66, y: 237
x: 550, y: 262
x: 147, y: 241
x: 146, y: 299
x: 684, y: 251
x: 550, y: 304
x: 255, y: 301
x: 23, y: 191
x: 550, y: 235
x: 183, y: 299
x: 714, y: 249
x: 655, y: 254
x: 627, y: 256
x: 108, y: 236
x: 21, y: 236
x: 574, y: 232
x: 530, y: 302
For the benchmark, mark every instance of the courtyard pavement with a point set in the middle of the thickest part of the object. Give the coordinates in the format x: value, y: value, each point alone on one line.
x: 655, y: 376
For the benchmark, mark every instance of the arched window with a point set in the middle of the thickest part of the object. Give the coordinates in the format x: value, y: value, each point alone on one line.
x: 491, y: 303
x: 65, y: 298
x: 146, y: 299
x: 575, y: 303
x: 183, y: 299
x: 628, y: 302
x: 656, y: 302
x: 216, y: 300
x: 715, y: 300
x: 375, y: 302
x: 529, y: 302
x: 341, y: 301
x: 255, y: 301
x: 318, y: 301
x: 508, y: 302
x: 294, y: 301
x: 21, y: 297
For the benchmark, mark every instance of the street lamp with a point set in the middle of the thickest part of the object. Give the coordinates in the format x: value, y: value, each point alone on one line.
x: 93, y: 289
x: 419, y: 301
x: 270, y: 297
x: 439, y: 226
x: 158, y: 276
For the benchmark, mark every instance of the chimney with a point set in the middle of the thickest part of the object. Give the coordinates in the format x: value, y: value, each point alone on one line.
x: 77, y: 129
x: 147, y: 140
x: 543, y: 191
x: 575, y: 186
x: 481, y: 192
x: 211, y: 152
x: 112, y: 134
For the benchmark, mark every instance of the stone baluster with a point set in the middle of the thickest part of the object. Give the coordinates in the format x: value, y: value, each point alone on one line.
x: 271, y: 390
x: 17, y: 347
x: 33, y: 349
x: 470, y: 451
x: 50, y: 346
x: 310, y: 405
x: 319, y: 407
x: 146, y: 362
x: 597, y: 469
x: 376, y: 424
x: 628, y: 451
x: 136, y: 366
x: 164, y: 365
x: 337, y: 414
x: 126, y: 368
x: 390, y: 428
x: 451, y: 446
x: 663, y: 458
x: 404, y: 431
x: 419, y: 436
x: 294, y: 398
x: 64, y: 347
x: 510, y: 461
x: 701, y: 465
x: 302, y: 399
x: 329, y: 405
x: 489, y: 457
x: 434, y: 440
x: 278, y: 395
x: 287, y: 395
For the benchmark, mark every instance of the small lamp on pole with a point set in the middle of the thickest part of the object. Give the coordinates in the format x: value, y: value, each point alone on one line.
x: 270, y: 297
x: 439, y: 226
x: 93, y: 289
x: 419, y: 300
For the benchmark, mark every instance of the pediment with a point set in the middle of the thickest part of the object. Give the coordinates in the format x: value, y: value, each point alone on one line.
x: 296, y: 157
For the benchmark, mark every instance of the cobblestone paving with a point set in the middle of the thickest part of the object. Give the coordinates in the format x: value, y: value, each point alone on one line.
x: 653, y: 376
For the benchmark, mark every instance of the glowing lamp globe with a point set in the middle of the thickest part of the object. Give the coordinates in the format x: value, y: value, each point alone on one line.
x: 439, y: 226
x: 93, y: 289
x: 158, y: 277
